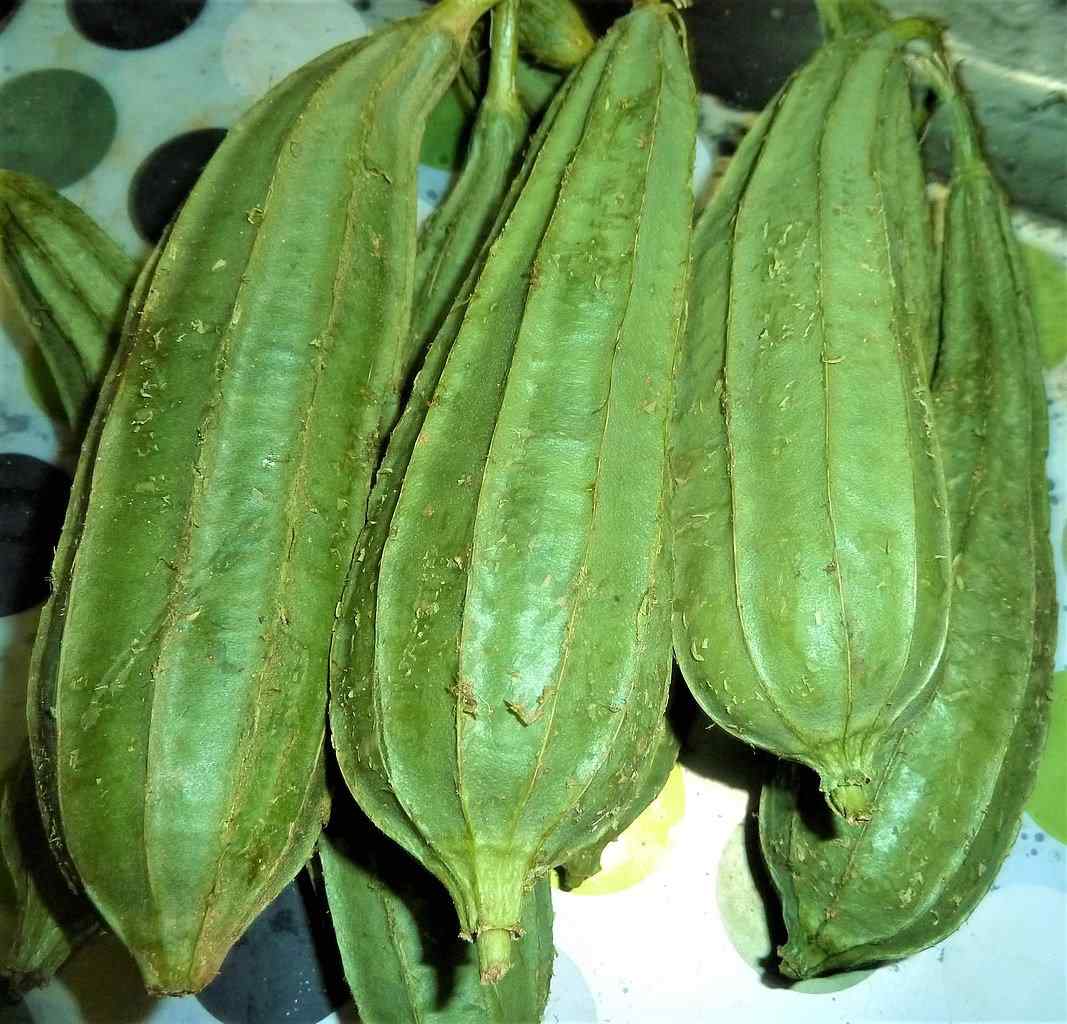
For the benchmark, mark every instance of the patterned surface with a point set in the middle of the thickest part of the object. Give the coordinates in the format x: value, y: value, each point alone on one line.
x: 120, y: 104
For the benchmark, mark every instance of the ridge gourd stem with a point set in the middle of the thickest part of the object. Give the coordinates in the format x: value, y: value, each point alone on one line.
x: 940, y: 77
x: 459, y: 16
x: 848, y: 17
x: 502, y: 91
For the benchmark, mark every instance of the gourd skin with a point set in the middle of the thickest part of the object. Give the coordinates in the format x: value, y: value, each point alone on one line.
x: 178, y: 690
x: 811, y: 534
x: 452, y: 237
x: 585, y: 863
x: 502, y: 656
x: 949, y: 789
x: 71, y: 281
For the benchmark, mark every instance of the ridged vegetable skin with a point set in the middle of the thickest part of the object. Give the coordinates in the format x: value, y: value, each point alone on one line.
x: 502, y: 656
x: 72, y: 283
x: 178, y: 690
x: 811, y: 533
x: 950, y: 790
x: 398, y: 936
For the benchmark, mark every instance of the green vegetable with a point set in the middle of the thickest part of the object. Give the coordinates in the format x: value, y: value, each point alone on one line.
x: 950, y: 789
x: 398, y: 935
x: 71, y: 281
x: 502, y: 656
x: 811, y: 530
x: 178, y: 690
x: 453, y: 235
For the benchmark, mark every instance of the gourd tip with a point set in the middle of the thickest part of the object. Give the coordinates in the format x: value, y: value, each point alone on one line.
x: 851, y: 802
x: 794, y: 962
x: 494, y: 954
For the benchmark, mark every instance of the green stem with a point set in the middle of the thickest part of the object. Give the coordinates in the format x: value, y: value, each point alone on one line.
x: 458, y: 15
x: 967, y: 149
x: 849, y: 17
x: 494, y: 954
x: 502, y: 90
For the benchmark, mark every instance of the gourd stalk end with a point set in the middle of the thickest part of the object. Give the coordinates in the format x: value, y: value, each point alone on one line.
x: 851, y: 802
x: 494, y: 954
x: 502, y: 90
x: 848, y: 17
x: 795, y: 961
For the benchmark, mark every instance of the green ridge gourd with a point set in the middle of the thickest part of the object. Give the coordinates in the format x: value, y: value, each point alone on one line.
x: 178, y: 690
x: 394, y: 923
x: 71, y: 282
x: 396, y: 929
x: 950, y: 789
x: 502, y: 656
x: 811, y: 533
x: 452, y: 236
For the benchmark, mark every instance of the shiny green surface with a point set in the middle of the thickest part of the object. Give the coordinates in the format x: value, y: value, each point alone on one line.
x: 494, y: 688
x: 72, y: 283
x: 950, y: 789
x: 178, y: 693
x: 811, y: 549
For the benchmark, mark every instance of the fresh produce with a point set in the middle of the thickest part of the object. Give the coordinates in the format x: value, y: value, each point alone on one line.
x: 395, y: 924
x: 502, y: 654
x: 460, y: 490
x: 554, y: 33
x: 397, y: 932
x: 178, y: 692
x: 811, y: 531
x: 950, y: 789
x: 71, y: 281
x: 452, y: 236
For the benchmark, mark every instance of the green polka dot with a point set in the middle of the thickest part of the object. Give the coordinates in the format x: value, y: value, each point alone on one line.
x: 55, y: 124
x: 1048, y: 286
x: 446, y: 133
x: 1048, y: 803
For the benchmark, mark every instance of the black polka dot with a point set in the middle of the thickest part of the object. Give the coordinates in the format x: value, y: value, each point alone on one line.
x: 56, y: 124
x: 285, y: 968
x: 133, y: 24
x: 362, y: 5
x: 745, y: 51
x: 7, y: 8
x: 167, y: 176
x: 33, y: 500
